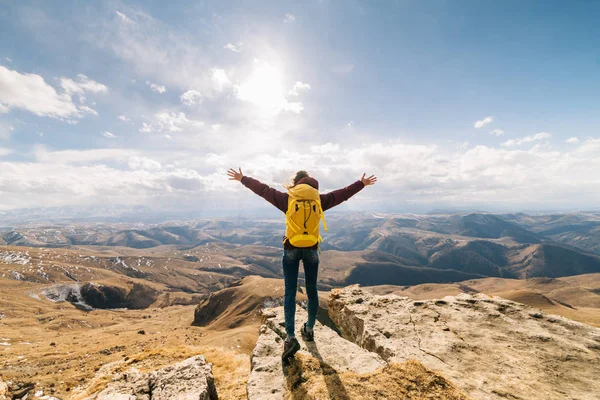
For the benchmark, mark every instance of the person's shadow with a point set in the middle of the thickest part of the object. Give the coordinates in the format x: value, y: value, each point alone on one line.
x: 292, y: 370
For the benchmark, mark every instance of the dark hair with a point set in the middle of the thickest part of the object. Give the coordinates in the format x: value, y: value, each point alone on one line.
x: 294, y: 179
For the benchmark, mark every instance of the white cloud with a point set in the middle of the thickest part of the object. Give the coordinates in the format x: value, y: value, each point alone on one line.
x: 107, y: 134
x: 157, y: 88
x: 4, y: 109
x: 43, y: 155
x: 191, y: 97
x: 83, y: 84
x: 8, y: 59
x: 4, y: 151
x: 289, y: 18
x: 497, y: 132
x: 88, y: 110
x: 232, y: 47
x: 96, y: 177
x: 124, y: 18
x: 157, y: 51
x: 144, y: 163
x: 527, y: 139
x: 572, y: 140
x: 483, y: 122
x: 220, y: 79
x: 168, y: 121
x: 326, y: 148
x: 424, y: 176
x: 296, y: 107
x: 299, y: 87
x: 123, y: 118
x: 146, y: 127
x: 30, y: 92
x: 591, y: 145
x: 342, y: 69
x: 415, y: 174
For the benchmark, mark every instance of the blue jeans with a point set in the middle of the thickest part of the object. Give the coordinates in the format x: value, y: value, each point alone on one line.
x: 291, y: 264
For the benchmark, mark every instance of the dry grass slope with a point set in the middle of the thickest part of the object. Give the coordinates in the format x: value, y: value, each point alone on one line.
x: 309, y: 378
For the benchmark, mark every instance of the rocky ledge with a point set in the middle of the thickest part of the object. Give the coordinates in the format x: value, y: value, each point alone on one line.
x: 489, y: 347
x: 267, y: 378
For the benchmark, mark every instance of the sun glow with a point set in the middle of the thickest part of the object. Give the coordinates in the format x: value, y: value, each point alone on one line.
x: 264, y: 89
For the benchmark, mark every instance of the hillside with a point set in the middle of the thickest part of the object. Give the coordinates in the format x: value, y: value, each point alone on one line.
x: 61, y: 350
x: 581, y: 230
x: 43, y: 338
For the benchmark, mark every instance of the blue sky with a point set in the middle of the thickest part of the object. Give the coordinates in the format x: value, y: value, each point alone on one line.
x: 452, y: 104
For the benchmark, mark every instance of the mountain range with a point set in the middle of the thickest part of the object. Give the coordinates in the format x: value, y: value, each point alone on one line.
x: 364, y: 248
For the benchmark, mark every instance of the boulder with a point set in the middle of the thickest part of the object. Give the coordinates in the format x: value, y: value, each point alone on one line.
x: 190, y: 379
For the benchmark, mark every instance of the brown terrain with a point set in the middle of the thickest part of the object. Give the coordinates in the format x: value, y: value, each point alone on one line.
x: 81, y: 302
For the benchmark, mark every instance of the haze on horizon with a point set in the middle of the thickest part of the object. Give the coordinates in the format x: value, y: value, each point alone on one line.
x: 452, y: 105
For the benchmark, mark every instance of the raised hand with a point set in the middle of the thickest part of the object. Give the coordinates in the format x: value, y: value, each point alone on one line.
x: 235, y: 175
x: 368, y: 181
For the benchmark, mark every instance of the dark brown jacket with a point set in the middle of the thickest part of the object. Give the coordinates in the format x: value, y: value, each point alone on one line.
x: 280, y: 199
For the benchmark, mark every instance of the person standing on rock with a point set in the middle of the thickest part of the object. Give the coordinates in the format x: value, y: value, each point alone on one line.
x: 304, y: 207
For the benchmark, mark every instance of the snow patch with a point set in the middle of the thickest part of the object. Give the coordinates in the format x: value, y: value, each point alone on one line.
x: 17, y: 275
x: 14, y: 257
x: 121, y: 262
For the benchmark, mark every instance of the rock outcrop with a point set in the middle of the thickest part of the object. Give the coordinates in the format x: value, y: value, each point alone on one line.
x: 191, y: 379
x: 328, y: 346
x: 332, y: 367
x: 489, y: 347
x: 266, y: 379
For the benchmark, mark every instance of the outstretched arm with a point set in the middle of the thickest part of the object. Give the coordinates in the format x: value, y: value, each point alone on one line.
x: 273, y: 196
x: 332, y: 199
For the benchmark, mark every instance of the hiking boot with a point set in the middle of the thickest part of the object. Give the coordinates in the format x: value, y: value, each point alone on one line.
x: 290, y: 347
x: 308, y: 336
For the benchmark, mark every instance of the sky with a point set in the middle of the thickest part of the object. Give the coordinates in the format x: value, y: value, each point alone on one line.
x: 453, y: 105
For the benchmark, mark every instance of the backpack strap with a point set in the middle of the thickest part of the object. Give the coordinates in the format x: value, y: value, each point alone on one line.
x: 322, y: 216
x: 324, y: 226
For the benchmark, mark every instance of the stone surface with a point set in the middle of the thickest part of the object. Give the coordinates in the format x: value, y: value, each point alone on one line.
x: 267, y: 379
x: 328, y: 347
x: 187, y: 380
x: 490, y: 347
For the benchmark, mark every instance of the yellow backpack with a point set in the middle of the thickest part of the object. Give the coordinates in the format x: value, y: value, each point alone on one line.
x: 303, y: 216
